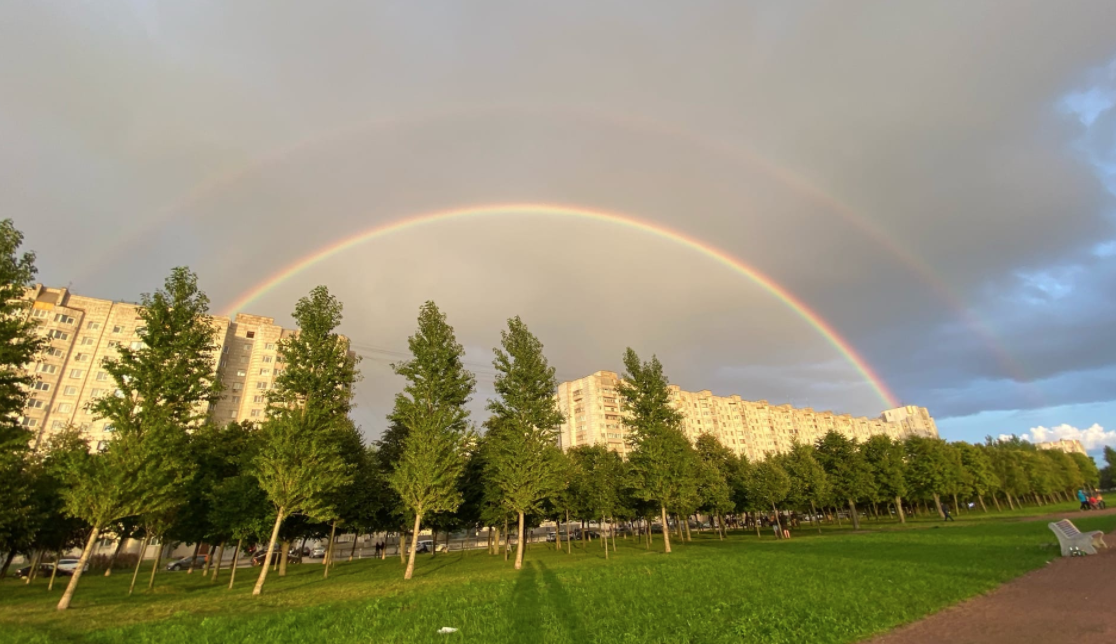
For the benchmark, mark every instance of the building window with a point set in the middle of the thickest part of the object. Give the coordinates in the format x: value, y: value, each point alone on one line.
x: 102, y: 376
x: 232, y: 414
x: 236, y: 400
x: 70, y: 391
x: 255, y: 413
x: 261, y: 385
x: 257, y: 399
x: 34, y: 403
x: 64, y: 408
x: 264, y: 372
x: 240, y: 373
x: 250, y: 335
x: 93, y: 326
x: 140, y: 330
x: 112, y: 344
x: 137, y: 345
x: 29, y: 422
x: 118, y: 329
x: 244, y: 359
x: 267, y: 359
x: 53, y: 352
x: 96, y: 392
x: 76, y: 373
x: 63, y: 318
x: 39, y: 313
x: 41, y: 386
x: 58, y: 424
x: 237, y: 386
x: 47, y: 368
x: 86, y: 341
x: 269, y: 346
x: 81, y: 357
x: 245, y: 348
x: 58, y: 335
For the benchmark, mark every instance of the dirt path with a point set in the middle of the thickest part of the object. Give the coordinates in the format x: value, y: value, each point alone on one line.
x: 1072, y: 599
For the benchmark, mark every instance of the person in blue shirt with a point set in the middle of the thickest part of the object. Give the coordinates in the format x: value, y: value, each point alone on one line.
x: 1083, y: 499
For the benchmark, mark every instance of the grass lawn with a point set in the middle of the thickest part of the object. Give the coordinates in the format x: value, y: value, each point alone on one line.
x: 838, y: 587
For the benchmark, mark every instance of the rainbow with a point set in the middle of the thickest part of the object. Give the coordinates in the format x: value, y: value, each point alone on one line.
x: 798, y: 306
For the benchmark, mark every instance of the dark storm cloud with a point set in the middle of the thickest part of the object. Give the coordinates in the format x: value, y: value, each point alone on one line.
x: 234, y: 136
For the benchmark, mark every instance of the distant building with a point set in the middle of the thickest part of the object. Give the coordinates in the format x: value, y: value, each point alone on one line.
x: 592, y: 409
x: 83, y: 331
x: 1067, y: 445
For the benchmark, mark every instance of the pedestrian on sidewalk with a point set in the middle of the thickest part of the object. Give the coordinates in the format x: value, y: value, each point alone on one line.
x: 945, y: 511
x: 1100, y: 501
x: 1083, y: 499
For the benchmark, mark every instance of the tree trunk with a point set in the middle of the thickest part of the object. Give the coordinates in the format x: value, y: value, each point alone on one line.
x: 558, y: 535
x: 778, y: 521
x: 899, y: 509
x: 352, y: 551
x: 235, y: 561
x: 612, y: 531
x: 688, y: 536
x: 1010, y: 504
x: 507, y: 539
x: 329, y: 551
x: 54, y: 569
x: 7, y: 564
x: 64, y: 603
x: 493, y: 539
x: 997, y: 502
x: 139, y: 561
x: 208, y: 563
x: 666, y: 531
x: 284, y: 554
x: 855, y: 518
x: 216, y: 565
x: 837, y: 515
x: 270, y: 551
x: 956, y: 505
x: 112, y: 559
x: 433, y: 542
x: 155, y: 566
x: 399, y: 546
x: 569, y: 544
x: 414, y: 546
x: 34, y: 568
x: 984, y: 508
x: 519, y: 544
x: 938, y: 504
x: 197, y: 549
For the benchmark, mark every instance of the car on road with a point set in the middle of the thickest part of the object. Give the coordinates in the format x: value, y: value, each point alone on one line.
x: 317, y: 552
x: 258, y: 558
x: 184, y: 563
x: 551, y: 537
x: 44, y: 571
x: 70, y: 564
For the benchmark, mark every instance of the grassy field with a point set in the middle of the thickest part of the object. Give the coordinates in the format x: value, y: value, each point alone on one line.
x: 838, y: 587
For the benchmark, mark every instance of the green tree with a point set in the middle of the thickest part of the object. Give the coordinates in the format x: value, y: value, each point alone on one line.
x: 809, y: 485
x: 598, y: 481
x: 1090, y: 475
x: 929, y: 468
x: 850, y: 477
x: 885, y: 460
x: 302, y: 463
x: 662, y: 460
x: 978, y: 465
x: 524, y: 458
x: 713, y: 480
x: 20, y: 343
x: 432, y: 410
x: 1106, y: 478
x: 768, y: 486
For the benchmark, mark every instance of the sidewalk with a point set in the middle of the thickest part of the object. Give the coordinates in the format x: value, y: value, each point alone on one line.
x: 1072, y: 599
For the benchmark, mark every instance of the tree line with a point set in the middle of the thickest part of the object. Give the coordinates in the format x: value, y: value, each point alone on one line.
x: 169, y: 473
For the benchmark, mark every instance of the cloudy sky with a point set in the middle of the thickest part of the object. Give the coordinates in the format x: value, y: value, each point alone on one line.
x: 937, y: 181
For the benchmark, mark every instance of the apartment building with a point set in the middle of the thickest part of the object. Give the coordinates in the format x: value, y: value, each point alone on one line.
x: 592, y: 410
x: 1067, y: 445
x: 83, y: 331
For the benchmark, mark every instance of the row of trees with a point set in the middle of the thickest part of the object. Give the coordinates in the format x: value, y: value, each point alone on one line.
x: 169, y: 474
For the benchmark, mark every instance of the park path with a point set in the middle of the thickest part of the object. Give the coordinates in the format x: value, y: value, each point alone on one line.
x: 1072, y: 599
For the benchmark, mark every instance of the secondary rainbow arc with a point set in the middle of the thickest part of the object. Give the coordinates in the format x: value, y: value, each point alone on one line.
x: 826, y: 330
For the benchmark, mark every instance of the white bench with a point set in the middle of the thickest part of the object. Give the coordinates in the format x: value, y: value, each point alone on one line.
x: 1069, y: 537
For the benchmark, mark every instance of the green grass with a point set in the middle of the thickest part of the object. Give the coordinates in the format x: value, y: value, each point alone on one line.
x: 839, y: 587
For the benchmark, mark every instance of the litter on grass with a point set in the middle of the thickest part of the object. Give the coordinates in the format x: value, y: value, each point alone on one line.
x: 446, y: 629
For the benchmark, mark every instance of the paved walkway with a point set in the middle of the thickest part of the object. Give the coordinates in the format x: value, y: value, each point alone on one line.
x: 1071, y: 600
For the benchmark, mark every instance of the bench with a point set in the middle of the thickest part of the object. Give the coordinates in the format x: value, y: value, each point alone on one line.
x: 1070, y: 538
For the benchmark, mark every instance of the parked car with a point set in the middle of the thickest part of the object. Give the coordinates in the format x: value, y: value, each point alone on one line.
x: 551, y: 537
x: 184, y: 563
x: 70, y: 564
x: 44, y: 571
x: 317, y: 552
x: 258, y: 558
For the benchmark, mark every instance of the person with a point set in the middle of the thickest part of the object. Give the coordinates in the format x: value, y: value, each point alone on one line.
x: 1083, y: 499
x: 1100, y: 501
x: 1093, y: 502
x: 945, y: 511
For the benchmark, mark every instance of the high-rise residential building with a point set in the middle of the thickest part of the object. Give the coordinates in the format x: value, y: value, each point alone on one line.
x: 593, y: 415
x: 1067, y: 445
x: 83, y: 331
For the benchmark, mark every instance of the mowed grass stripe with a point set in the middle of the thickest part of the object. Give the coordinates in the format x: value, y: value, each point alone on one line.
x: 833, y: 588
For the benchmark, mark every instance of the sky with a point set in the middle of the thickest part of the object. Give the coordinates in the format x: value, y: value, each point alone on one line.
x: 935, y: 181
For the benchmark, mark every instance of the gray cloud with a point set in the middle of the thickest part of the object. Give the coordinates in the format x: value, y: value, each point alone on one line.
x: 234, y: 137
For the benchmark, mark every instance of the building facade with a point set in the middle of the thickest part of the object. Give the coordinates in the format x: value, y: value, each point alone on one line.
x: 592, y: 410
x: 1067, y: 445
x: 83, y: 331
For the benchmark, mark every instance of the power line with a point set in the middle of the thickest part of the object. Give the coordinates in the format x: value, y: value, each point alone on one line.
x: 385, y: 355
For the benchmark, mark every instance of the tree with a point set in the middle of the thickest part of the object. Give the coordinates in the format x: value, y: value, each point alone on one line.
x: 929, y: 468
x: 768, y: 486
x: 978, y: 465
x: 885, y: 460
x: 849, y: 475
x: 20, y: 342
x: 302, y: 464
x: 598, y: 480
x: 523, y: 430
x: 1090, y: 475
x: 663, y: 462
x: 1106, y: 478
x: 713, y: 480
x: 431, y: 409
x: 809, y: 485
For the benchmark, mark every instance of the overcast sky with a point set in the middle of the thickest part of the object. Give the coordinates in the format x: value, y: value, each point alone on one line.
x: 937, y: 180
